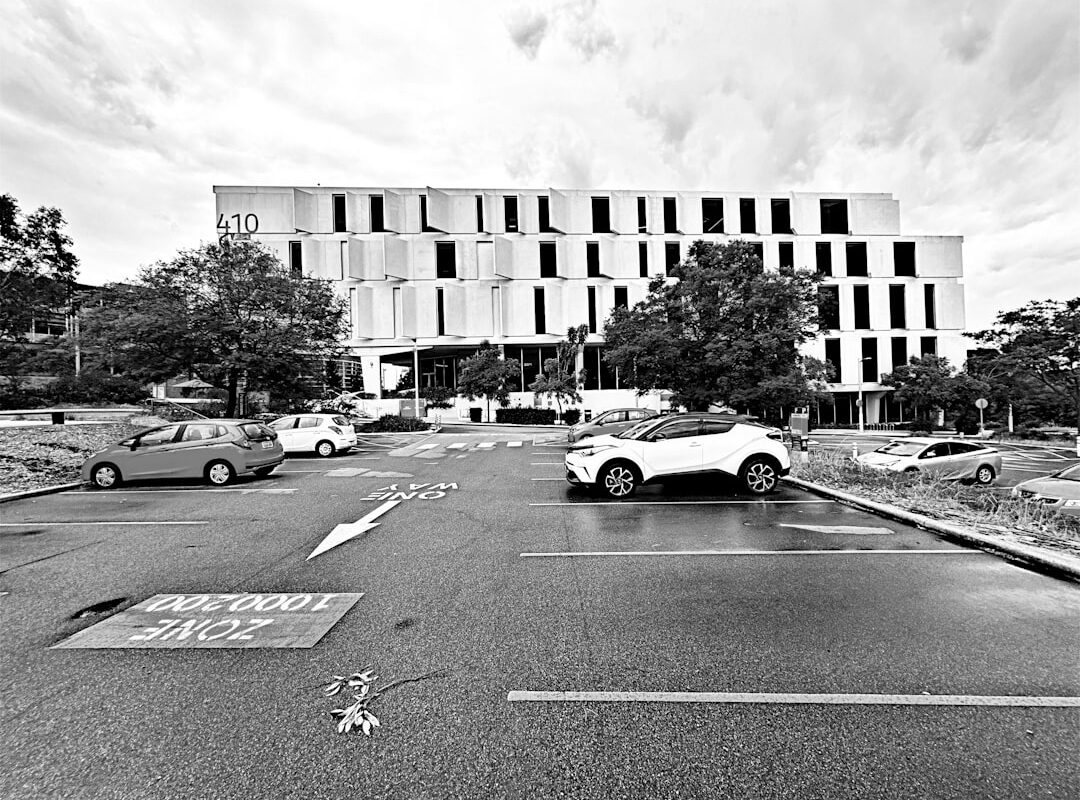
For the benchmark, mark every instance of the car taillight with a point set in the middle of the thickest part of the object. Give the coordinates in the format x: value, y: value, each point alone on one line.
x: 246, y: 444
x: 334, y: 428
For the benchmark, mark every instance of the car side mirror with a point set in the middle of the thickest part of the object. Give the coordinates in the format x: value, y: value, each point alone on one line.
x: 133, y: 445
x: 657, y: 437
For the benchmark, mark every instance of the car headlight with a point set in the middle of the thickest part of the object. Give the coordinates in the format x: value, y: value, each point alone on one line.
x: 592, y: 450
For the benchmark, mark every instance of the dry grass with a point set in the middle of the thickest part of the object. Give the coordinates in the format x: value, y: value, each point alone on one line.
x: 989, y: 510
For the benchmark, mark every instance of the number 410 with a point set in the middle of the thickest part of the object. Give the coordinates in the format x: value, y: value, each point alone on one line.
x: 251, y: 223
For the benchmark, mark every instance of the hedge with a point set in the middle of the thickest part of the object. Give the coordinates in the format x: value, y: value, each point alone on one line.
x: 525, y: 416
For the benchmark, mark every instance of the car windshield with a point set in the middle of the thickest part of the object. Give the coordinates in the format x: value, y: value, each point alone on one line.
x: 340, y: 421
x: 900, y: 448
x: 1070, y: 473
x: 635, y: 431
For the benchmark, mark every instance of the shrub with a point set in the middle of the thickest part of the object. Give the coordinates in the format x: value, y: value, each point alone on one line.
x: 572, y: 416
x: 393, y: 423
x: 94, y: 388
x: 525, y: 416
x: 918, y: 426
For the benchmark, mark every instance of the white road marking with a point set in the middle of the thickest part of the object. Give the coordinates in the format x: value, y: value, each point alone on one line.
x: 679, y: 502
x: 60, y: 524
x: 194, y: 489
x: 342, y: 533
x: 551, y: 479
x: 431, y: 446
x: 1024, y: 469
x: 1023, y: 701
x: 854, y: 530
x: 513, y: 444
x: 485, y: 445
x: 545, y: 463
x: 654, y: 553
x: 461, y: 456
x: 457, y: 446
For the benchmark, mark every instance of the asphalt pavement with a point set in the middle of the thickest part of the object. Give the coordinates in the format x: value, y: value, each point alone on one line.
x: 691, y: 642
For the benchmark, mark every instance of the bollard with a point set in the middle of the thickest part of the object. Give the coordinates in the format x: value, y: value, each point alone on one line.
x: 854, y: 449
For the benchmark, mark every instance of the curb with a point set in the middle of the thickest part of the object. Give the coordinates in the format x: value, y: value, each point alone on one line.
x: 1042, y: 560
x: 63, y: 487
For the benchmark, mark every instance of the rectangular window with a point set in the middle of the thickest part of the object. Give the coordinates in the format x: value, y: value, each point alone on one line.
x: 928, y: 345
x: 787, y: 257
x: 862, y: 307
x: 712, y: 214
x: 834, y: 216
x: 931, y: 309
x: 829, y: 308
x: 899, y: 351
x: 621, y: 300
x: 376, y: 204
x: 549, y: 267
x: 643, y: 259
x: 296, y: 260
x: 445, y: 260
x: 903, y: 254
x: 423, y: 216
x: 672, y: 256
x: 440, y: 313
x: 339, y: 213
x: 671, y: 223
x: 544, y: 214
x: 897, y: 306
x: 601, y: 215
x: 539, y: 314
x: 870, y: 372
x: 510, y: 209
x: 641, y: 220
x: 592, y: 259
x: 823, y: 252
x: 781, y: 216
x: 598, y: 375
x: 747, y: 215
x: 479, y: 213
x: 592, y: 309
x: 856, y: 259
x: 832, y: 356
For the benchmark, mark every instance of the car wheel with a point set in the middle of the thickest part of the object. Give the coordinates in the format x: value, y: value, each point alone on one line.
x: 105, y: 476
x: 324, y: 449
x: 618, y: 480
x: 759, y: 475
x: 219, y: 473
x: 984, y: 475
x: 262, y: 472
x: 911, y: 471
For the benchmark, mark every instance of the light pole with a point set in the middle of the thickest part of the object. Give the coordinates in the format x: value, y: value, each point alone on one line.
x: 860, y: 403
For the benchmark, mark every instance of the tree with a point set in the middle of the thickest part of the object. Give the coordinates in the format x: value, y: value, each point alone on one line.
x: 559, y: 378
x: 37, y: 276
x: 487, y: 374
x: 926, y: 383
x: 228, y: 312
x: 726, y: 332
x: 1041, y: 342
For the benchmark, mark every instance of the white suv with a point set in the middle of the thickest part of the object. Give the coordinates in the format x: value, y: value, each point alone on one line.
x: 323, y: 434
x: 681, y: 444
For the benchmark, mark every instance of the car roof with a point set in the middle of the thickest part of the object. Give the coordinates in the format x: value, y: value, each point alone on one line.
x: 934, y: 440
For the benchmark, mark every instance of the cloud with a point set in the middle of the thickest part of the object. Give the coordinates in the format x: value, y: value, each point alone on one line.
x: 527, y: 30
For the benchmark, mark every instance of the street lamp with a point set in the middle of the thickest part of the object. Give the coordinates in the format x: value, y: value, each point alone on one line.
x: 860, y: 403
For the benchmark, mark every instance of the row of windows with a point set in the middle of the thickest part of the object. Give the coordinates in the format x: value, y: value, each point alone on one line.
x: 829, y: 306
x: 833, y: 215
x: 869, y: 370
x: 446, y: 258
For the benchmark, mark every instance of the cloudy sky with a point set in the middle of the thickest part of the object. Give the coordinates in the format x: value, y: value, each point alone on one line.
x: 125, y: 113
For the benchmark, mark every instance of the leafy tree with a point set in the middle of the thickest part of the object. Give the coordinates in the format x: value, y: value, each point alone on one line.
x: 559, y: 379
x: 726, y: 332
x: 228, y: 312
x: 37, y: 276
x: 925, y: 383
x: 1040, y: 342
x: 487, y: 374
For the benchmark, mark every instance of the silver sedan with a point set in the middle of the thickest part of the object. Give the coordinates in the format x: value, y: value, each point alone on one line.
x: 950, y: 459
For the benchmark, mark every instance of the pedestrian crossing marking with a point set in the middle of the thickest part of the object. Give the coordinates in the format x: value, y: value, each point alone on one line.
x: 457, y: 446
x: 513, y: 444
x: 485, y: 445
x: 429, y: 446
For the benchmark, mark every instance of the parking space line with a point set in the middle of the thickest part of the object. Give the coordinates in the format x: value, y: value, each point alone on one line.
x: 513, y: 444
x: 551, y: 479
x: 192, y: 490
x: 795, y: 698
x: 545, y: 463
x: 428, y: 446
x: 485, y: 445
x: 60, y: 524
x: 680, y: 502
x: 457, y: 446
x: 655, y: 553
x: 1023, y: 469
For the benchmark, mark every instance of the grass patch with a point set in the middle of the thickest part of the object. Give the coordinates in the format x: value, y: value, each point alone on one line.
x: 986, y: 509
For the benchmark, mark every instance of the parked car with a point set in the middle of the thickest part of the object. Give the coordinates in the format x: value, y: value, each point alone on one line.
x: 676, y: 445
x: 612, y: 421
x: 950, y: 459
x: 322, y: 434
x: 216, y: 450
x: 1060, y: 491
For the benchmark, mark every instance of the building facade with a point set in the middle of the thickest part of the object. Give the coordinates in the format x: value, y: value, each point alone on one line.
x: 437, y: 271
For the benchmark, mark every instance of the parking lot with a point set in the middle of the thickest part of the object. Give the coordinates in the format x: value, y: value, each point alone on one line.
x: 691, y: 641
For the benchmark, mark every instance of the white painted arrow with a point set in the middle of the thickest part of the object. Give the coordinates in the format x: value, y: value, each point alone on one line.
x: 855, y: 530
x: 342, y: 533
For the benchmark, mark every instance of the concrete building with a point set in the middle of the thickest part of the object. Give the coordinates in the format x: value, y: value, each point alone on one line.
x: 440, y: 270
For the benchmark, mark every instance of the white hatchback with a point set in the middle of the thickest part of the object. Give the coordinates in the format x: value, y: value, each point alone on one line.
x: 322, y: 434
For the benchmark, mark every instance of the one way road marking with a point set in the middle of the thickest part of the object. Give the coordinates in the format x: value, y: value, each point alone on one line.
x: 342, y: 533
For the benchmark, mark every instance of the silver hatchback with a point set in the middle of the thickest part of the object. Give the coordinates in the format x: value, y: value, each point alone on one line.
x: 612, y: 421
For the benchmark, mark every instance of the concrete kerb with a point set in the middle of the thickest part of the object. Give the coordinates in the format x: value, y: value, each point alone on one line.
x: 63, y: 487
x: 1045, y: 561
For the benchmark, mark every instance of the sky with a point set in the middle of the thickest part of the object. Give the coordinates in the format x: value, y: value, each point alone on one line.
x: 125, y: 114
